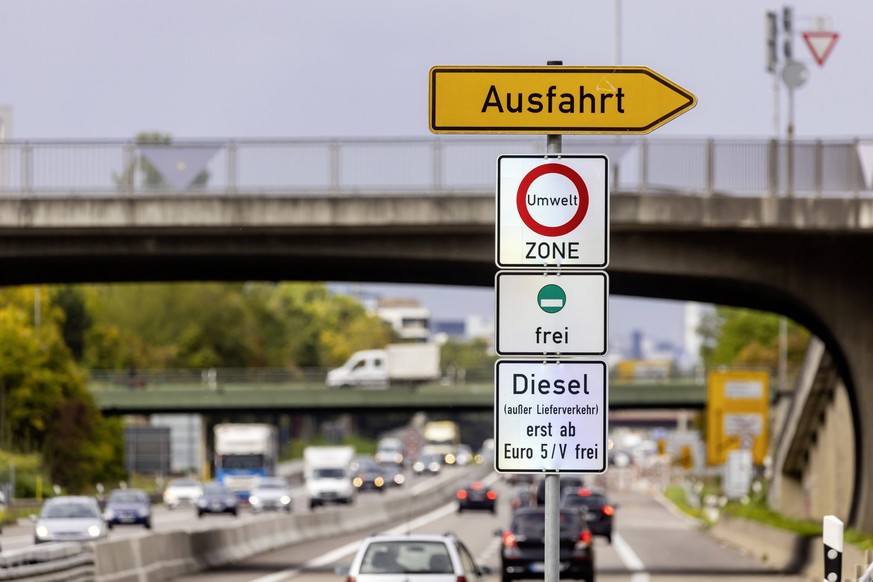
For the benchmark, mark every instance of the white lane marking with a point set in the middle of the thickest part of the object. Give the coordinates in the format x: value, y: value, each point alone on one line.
x: 352, y: 547
x: 629, y: 558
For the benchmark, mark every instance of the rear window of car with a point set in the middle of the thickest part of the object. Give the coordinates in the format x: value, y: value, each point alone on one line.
x: 533, y: 525
x: 406, y: 557
x: 592, y: 501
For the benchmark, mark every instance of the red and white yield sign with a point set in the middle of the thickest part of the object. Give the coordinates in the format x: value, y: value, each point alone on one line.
x: 552, y: 211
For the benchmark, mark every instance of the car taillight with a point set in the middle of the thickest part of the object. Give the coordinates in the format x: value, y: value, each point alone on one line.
x: 461, y: 494
x: 509, y: 540
x: 476, y: 486
x: 510, y: 546
x: 491, y: 495
x: 350, y: 579
x: 584, y: 492
x: 461, y: 579
x: 584, y: 540
x: 608, y: 510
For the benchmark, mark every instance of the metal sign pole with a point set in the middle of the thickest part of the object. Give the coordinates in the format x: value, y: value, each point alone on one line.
x: 554, y: 144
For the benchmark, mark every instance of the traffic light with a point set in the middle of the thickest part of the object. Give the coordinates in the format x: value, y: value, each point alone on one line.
x: 787, y: 27
x: 771, y: 29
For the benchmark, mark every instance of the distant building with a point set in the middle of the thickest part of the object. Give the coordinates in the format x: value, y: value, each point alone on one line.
x: 450, y: 329
x: 408, y: 317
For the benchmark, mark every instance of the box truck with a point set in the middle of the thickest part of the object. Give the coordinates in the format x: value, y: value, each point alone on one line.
x: 327, y: 472
x: 398, y: 364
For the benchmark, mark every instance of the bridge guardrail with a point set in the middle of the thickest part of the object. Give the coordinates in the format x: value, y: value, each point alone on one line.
x: 297, y: 167
x: 297, y: 379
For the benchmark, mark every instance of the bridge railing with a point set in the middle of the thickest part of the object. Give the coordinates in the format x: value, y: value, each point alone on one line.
x: 442, y: 166
x: 297, y: 379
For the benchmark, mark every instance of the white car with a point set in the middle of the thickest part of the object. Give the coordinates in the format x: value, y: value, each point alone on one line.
x: 182, y: 492
x: 414, y: 558
x: 271, y: 493
x: 70, y: 518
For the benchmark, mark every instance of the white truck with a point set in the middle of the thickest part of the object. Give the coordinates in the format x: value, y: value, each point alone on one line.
x: 245, y: 453
x: 442, y: 437
x: 327, y: 472
x: 397, y: 364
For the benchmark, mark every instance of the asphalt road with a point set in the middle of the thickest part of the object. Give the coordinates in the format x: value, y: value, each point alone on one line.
x: 651, y: 543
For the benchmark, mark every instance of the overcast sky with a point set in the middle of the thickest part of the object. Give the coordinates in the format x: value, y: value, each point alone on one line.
x: 286, y: 68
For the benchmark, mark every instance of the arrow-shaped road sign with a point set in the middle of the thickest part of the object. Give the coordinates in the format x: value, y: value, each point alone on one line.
x: 553, y: 99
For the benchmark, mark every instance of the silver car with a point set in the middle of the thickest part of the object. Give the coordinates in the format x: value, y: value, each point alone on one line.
x: 70, y: 518
x: 414, y: 558
x: 271, y: 493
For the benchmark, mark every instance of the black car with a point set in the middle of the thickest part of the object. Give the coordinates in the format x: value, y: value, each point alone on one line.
x: 595, y: 506
x: 523, y: 550
x: 565, y: 481
x: 394, y: 473
x: 128, y: 507
x: 217, y: 498
x: 476, y: 495
x: 523, y: 497
x: 368, y: 476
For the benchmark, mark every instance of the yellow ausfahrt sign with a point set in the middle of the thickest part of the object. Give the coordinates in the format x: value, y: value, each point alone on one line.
x: 737, y: 414
x: 553, y: 99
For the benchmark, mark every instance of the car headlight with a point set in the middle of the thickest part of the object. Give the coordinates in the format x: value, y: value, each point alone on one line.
x: 357, y: 481
x: 418, y: 466
x: 253, y: 500
x: 42, y: 531
x: 379, y: 481
x: 142, y: 511
x: 399, y: 479
x: 201, y: 502
x: 94, y: 531
x: 450, y: 459
x: 284, y: 500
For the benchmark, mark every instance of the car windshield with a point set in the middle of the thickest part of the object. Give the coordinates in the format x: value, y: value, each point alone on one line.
x: 532, y: 525
x: 215, y: 489
x: 407, y: 557
x: 272, y: 485
x: 70, y: 510
x: 328, y: 474
x: 184, y: 483
x: 127, y: 497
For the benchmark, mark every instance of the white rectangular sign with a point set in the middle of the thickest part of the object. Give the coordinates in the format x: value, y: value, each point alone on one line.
x: 550, y: 416
x: 552, y: 211
x: 541, y: 314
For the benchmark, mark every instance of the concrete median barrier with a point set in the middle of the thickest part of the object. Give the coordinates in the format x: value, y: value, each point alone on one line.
x: 162, y: 556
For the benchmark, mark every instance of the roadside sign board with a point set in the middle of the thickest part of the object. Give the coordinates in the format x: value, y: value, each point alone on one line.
x: 552, y: 210
x: 562, y: 314
x: 550, y: 416
x: 553, y: 100
x: 737, y: 411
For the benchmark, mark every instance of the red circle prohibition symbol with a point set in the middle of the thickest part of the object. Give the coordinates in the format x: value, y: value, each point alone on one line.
x: 561, y: 229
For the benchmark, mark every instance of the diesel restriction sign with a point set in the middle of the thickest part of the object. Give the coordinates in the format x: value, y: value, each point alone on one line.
x: 550, y: 416
x: 562, y: 314
x: 552, y: 210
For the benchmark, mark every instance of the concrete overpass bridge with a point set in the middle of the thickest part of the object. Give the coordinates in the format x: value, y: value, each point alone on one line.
x: 748, y: 223
x: 278, y: 391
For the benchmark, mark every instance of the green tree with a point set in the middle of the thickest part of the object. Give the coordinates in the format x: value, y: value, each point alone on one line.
x: 466, y: 357
x: 745, y: 337
x: 76, y: 319
x: 41, y: 389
